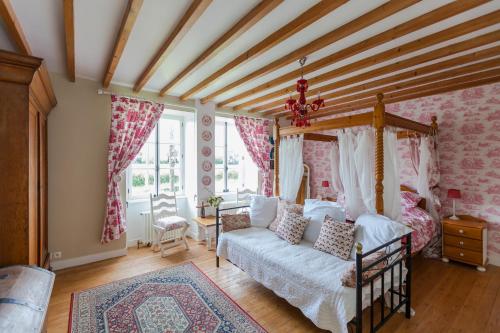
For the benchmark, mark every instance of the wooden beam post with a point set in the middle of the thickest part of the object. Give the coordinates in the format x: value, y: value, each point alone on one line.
x: 378, y: 124
x: 276, y: 134
x: 69, y: 34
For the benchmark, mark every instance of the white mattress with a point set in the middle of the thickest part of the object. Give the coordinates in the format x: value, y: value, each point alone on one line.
x: 307, y: 278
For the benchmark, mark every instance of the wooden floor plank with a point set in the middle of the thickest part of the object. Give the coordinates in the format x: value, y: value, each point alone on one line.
x: 446, y: 297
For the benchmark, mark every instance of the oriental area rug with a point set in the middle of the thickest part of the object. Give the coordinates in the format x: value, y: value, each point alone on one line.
x: 174, y: 299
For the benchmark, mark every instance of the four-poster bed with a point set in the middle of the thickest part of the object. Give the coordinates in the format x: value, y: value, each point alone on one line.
x: 378, y: 119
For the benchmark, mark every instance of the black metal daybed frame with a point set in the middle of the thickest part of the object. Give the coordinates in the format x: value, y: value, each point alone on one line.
x: 404, y: 296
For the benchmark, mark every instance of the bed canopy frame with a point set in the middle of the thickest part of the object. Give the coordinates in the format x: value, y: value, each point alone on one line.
x: 378, y: 119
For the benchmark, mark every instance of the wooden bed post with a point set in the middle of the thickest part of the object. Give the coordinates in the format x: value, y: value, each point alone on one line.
x: 378, y: 124
x: 276, y: 134
x: 434, y: 126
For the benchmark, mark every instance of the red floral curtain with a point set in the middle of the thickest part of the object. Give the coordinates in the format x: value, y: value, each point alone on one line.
x: 132, y: 121
x: 255, y: 134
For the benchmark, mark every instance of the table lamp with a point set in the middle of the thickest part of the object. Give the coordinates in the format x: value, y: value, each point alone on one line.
x: 454, y: 194
x: 325, y: 184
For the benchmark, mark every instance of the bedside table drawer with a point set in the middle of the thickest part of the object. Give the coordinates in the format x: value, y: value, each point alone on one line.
x: 467, y: 256
x: 461, y: 231
x: 463, y: 243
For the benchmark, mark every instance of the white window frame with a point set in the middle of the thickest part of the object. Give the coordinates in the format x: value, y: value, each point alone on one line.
x: 156, y: 134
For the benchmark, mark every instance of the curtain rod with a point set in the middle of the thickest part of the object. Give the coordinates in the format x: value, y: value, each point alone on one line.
x: 183, y: 108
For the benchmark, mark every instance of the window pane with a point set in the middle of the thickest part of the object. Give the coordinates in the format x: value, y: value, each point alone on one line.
x: 219, y: 180
x: 146, y: 156
x: 219, y: 157
x: 219, y: 133
x: 169, y: 130
x: 142, y: 182
x: 232, y: 179
x: 170, y: 155
x: 233, y: 158
x: 170, y: 180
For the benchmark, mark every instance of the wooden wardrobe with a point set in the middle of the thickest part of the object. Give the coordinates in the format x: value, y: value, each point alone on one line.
x: 26, y: 98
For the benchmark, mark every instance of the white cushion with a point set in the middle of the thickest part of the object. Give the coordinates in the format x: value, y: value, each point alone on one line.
x: 262, y: 210
x: 171, y: 222
x: 374, y: 230
x: 316, y: 210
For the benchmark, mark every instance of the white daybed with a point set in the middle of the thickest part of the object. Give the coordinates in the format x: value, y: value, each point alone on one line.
x: 307, y: 278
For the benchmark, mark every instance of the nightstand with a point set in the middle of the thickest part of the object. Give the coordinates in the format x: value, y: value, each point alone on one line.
x: 465, y: 240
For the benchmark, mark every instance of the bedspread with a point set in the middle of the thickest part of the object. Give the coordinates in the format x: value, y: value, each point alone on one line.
x: 307, y: 278
x: 423, y: 225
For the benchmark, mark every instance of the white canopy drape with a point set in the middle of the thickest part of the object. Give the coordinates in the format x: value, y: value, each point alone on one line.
x: 347, y: 170
x: 364, y: 158
x: 428, y: 175
x: 334, y: 165
x: 291, y: 166
x: 392, y: 184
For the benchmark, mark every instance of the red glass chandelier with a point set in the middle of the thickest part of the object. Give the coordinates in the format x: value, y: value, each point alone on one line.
x: 300, y: 108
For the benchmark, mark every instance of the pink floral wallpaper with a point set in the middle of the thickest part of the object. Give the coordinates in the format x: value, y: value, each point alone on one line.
x: 469, y: 148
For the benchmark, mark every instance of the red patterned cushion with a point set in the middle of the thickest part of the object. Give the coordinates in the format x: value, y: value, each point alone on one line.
x: 410, y: 199
x: 349, y: 276
x: 232, y: 222
x: 292, y: 226
x: 282, y: 206
x: 336, y: 238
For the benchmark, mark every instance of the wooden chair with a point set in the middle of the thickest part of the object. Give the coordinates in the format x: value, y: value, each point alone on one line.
x: 169, y: 228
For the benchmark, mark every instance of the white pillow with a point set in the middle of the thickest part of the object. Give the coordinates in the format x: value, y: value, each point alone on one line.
x: 262, y: 210
x: 374, y: 230
x: 316, y: 210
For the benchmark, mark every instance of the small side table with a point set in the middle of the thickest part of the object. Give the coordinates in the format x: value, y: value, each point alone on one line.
x: 465, y: 240
x: 208, y: 225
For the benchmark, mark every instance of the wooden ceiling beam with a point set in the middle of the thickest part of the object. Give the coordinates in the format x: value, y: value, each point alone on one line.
x: 365, y: 20
x: 16, y: 34
x: 415, y: 75
x: 128, y: 21
x: 389, y: 35
x: 255, y: 15
x: 189, y: 18
x: 472, y: 80
x: 14, y: 29
x: 305, y: 19
x: 69, y: 38
x: 401, y: 65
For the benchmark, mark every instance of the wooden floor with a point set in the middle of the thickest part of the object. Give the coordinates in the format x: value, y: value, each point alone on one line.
x: 447, y: 297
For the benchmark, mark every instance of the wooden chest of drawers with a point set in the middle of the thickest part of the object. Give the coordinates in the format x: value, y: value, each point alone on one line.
x: 465, y: 240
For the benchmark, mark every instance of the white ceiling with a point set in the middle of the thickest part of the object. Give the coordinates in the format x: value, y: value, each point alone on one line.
x: 97, y: 23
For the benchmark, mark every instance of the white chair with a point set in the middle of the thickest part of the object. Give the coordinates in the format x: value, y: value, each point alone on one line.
x: 169, y: 228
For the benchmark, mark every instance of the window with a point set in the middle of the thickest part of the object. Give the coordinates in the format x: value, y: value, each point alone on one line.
x: 234, y: 169
x: 158, y: 168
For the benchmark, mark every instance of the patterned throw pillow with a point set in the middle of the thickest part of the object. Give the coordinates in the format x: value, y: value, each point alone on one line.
x: 282, y: 205
x: 336, y: 238
x: 349, y: 277
x: 232, y: 222
x: 410, y: 199
x: 292, y: 226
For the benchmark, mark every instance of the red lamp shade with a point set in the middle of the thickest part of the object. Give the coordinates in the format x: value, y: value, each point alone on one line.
x: 454, y: 194
x: 325, y: 183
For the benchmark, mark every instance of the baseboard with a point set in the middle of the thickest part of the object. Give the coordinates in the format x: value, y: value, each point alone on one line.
x: 72, y: 262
